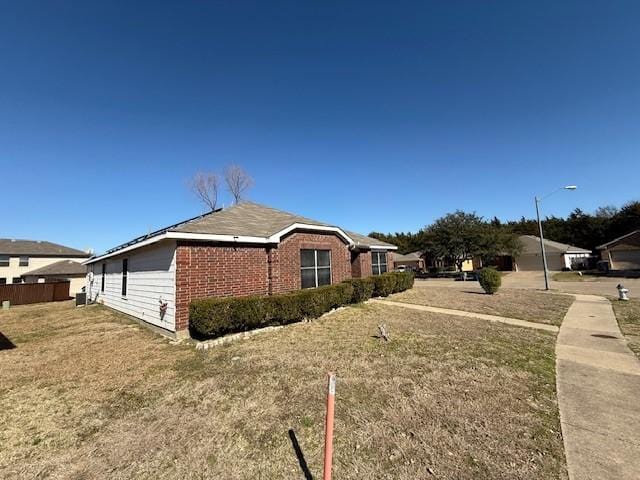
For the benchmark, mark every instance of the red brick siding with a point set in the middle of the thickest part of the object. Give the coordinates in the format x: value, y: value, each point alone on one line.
x: 209, y: 270
x: 361, y: 265
x: 390, y: 262
x: 287, y: 262
x: 205, y: 270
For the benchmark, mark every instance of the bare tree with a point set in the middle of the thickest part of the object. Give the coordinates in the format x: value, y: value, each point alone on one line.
x: 238, y: 181
x: 204, y: 186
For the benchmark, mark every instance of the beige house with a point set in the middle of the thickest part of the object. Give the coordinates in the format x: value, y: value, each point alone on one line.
x: 559, y: 255
x: 413, y: 260
x: 623, y: 253
x: 64, y: 270
x: 19, y: 257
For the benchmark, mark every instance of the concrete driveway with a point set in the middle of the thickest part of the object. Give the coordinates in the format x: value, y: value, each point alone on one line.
x: 592, y: 286
x: 535, y: 281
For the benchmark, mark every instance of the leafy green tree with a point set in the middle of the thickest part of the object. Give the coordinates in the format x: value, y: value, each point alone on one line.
x: 458, y: 237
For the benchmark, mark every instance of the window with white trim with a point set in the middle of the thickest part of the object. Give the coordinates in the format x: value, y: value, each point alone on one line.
x: 4, y: 260
x: 24, y: 262
x: 315, y: 268
x: 379, y: 262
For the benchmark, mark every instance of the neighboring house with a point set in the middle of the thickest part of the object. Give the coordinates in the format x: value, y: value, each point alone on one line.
x: 413, y: 260
x: 68, y: 270
x: 623, y: 253
x: 246, y: 249
x: 448, y: 265
x: 559, y: 255
x: 18, y: 257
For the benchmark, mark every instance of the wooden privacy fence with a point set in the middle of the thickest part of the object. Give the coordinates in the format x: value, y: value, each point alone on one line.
x: 23, y: 293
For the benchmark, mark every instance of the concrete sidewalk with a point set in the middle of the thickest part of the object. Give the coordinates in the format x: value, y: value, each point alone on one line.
x: 464, y: 313
x: 598, y: 382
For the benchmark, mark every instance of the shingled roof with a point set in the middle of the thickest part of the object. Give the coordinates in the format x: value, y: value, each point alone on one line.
x: 245, y: 219
x: 62, y: 268
x: 531, y: 244
x: 10, y: 246
x: 245, y: 222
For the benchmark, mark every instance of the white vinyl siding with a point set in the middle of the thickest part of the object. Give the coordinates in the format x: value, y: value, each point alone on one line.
x: 151, y: 279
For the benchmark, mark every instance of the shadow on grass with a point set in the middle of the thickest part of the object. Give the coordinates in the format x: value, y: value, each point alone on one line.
x: 298, y: 451
x: 5, y: 343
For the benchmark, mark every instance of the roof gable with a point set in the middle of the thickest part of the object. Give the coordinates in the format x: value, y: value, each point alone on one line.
x: 631, y: 238
x: 244, y: 219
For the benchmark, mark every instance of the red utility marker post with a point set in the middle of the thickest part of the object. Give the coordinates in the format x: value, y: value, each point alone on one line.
x: 328, y: 430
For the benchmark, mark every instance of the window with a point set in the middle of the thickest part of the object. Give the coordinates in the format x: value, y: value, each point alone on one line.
x: 24, y: 261
x: 3, y: 281
x: 104, y: 273
x: 125, y: 268
x: 16, y: 280
x: 315, y: 268
x: 379, y: 262
x: 4, y: 260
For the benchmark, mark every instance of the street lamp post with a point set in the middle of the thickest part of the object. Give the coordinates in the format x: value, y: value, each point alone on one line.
x: 544, y: 256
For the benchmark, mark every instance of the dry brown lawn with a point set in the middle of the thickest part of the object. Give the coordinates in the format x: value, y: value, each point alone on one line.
x: 628, y: 315
x: 539, y: 307
x: 88, y: 394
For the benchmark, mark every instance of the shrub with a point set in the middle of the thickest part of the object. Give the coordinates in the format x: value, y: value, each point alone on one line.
x: 213, y: 317
x: 384, y: 285
x: 404, y: 281
x: 362, y: 289
x: 490, y: 280
x: 219, y: 316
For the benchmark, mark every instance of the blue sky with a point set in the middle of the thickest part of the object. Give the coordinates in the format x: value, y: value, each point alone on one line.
x: 371, y: 115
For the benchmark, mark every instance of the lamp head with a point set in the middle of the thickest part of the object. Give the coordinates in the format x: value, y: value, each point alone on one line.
x: 570, y: 187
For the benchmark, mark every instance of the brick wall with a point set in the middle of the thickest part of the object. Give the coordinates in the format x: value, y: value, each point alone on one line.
x: 361, y: 264
x: 207, y: 270
x: 287, y: 262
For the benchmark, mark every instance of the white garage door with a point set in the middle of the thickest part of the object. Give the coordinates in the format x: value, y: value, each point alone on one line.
x: 531, y: 262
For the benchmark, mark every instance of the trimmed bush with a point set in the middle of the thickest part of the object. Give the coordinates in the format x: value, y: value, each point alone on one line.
x: 384, y: 285
x: 219, y: 316
x: 490, y: 280
x: 362, y: 289
x: 392, y: 282
x: 213, y: 317
x: 404, y: 281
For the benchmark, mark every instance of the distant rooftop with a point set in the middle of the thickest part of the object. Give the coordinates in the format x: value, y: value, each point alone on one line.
x: 531, y: 244
x: 62, y: 268
x: 10, y: 246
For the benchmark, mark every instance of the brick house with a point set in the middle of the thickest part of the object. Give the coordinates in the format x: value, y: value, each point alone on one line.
x: 246, y: 249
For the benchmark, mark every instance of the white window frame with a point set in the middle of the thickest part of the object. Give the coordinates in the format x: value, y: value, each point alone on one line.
x: 378, y: 263
x: 315, y: 265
